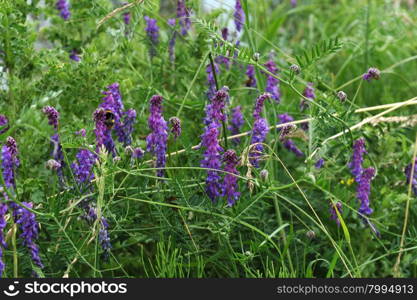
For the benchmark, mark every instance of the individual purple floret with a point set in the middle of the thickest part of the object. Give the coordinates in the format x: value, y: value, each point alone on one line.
x: 3, y: 245
x: 137, y: 153
x: 175, y: 126
x: 319, y: 163
x: 250, y: 72
x: 272, y: 83
x: 82, y: 132
x: 211, y: 81
x: 293, y: 3
x: 30, y: 230
x: 83, y: 166
x: 172, y: 40
x: 53, y: 116
x: 413, y: 180
x: 157, y: 139
x: 4, y: 124
x: 183, y: 15
x: 152, y: 30
x: 288, y: 143
x: 355, y: 164
x: 236, y: 122
x: 333, y: 213
x: 373, y: 73
x: 209, y: 140
x: 364, y: 189
x: 224, y: 59
x: 74, y: 56
x: 230, y: 185
x: 214, y: 110
x: 63, y: 7
x: 259, y: 131
x: 308, y: 93
x: 126, y: 16
x: 239, y: 16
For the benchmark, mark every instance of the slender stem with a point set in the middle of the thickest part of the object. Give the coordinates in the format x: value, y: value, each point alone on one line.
x: 15, y: 255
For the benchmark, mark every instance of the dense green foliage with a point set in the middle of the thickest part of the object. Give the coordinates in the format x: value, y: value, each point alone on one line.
x: 171, y: 228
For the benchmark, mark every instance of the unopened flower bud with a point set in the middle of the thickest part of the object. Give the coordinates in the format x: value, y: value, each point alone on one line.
x: 342, y: 96
x: 52, y: 164
x: 264, y: 175
x: 295, y: 68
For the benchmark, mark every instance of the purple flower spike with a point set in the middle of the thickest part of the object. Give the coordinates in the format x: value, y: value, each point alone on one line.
x: 230, y: 185
x: 157, y: 139
x: 209, y: 140
x: 30, y: 230
x: 125, y: 129
x: 308, y: 93
x: 355, y: 164
x: 9, y: 163
x: 4, y: 124
x: 175, y: 126
x: 3, y: 224
x: 102, y: 119
x: 83, y: 167
x: 413, y: 180
x: 257, y: 112
x: 214, y: 110
x: 333, y: 213
x: 172, y: 40
x: 53, y: 116
x: 373, y: 73
x: 288, y: 143
x: 364, y: 189
x: 239, y: 16
x: 236, y: 122
x: 259, y: 132
x: 272, y: 84
x: 63, y: 7
x: 152, y: 30
x: 211, y: 82
x: 250, y: 72
x: 183, y: 15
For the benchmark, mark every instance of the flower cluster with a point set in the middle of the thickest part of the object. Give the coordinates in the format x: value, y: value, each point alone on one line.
x: 214, y: 110
x: 152, y: 30
x: 288, y: 143
x: 272, y: 83
x: 103, y: 236
x: 250, y: 72
x: 308, y: 93
x: 83, y: 167
x: 175, y: 126
x: 236, y: 122
x: 103, y: 130
x: 355, y: 164
x: 230, y: 180
x: 63, y: 7
x: 413, y: 179
x: 211, y: 80
x: 373, y: 73
x: 259, y: 131
x: 364, y: 189
x: 183, y: 15
x: 239, y: 16
x: 4, y: 122
x: 9, y: 162
x: 157, y: 139
x: 333, y: 213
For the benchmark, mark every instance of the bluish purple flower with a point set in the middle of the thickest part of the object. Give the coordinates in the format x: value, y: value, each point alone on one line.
x: 259, y: 131
x: 172, y: 40
x: 30, y: 230
x: 125, y: 129
x: 152, y: 30
x: 3, y: 245
x: 63, y: 7
x: 215, y: 109
x: 83, y: 166
x: 239, y: 16
x: 413, y: 180
x: 333, y: 213
x: 308, y: 93
x: 257, y: 112
x: 272, y: 83
x: 364, y: 189
x: 293, y: 3
x: 82, y: 132
x: 9, y: 162
x: 212, y: 157
x: 126, y: 16
x: 103, y: 237
x: 230, y: 186
x: 4, y: 122
x: 211, y: 82
x: 236, y: 122
x: 53, y: 116
x: 373, y: 73
x: 355, y: 164
x: 58, y: 156
x: 103, y: 130
x: 74, y: 56
x: 137, y: 153
x: 319, y: 163
x: 183, y: 15
x: 175, y: 126
x: 250, y: 72
x: 288, y: 143
x: 224, y: 59
x: 157, y: 139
